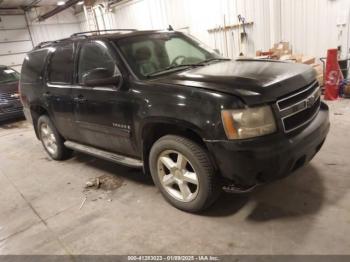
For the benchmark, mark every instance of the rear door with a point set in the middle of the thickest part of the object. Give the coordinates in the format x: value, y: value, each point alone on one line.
x: 103, y: 113
x: 58, y: 89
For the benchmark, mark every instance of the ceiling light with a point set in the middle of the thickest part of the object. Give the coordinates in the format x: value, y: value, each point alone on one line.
x: 80, y: 3
x: 61, y: 2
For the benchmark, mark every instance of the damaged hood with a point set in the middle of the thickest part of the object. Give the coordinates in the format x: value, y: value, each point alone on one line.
x: 254, y: 81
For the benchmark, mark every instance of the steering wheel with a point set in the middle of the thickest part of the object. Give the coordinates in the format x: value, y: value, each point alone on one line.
x: 175, y: 62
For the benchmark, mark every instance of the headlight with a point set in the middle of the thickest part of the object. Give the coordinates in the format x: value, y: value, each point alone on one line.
x: 248, y: 122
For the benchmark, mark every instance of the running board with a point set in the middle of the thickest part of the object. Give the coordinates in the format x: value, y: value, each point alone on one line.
x: 123, y: 160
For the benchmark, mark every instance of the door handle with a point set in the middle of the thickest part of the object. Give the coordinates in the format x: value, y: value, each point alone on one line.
x: 47, y: 94
x: 80, y: 99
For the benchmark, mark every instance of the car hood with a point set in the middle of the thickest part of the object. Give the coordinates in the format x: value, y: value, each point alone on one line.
x: 254, y: 81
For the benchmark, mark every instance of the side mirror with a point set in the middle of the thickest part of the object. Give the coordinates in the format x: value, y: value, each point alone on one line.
x: 99, y: 77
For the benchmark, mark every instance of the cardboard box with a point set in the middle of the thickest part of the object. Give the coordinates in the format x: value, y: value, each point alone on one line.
x: 318, y: 68
x: 287, y: 58
x: 308, y: 60
x: 282, y: 46
x: 297, y: 57
x: 347, y: 90
x: 320, y: 79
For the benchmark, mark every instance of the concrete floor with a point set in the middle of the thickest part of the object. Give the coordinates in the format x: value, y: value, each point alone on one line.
x: 41, y: 209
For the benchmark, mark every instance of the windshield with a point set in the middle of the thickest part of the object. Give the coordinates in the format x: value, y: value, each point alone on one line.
x: 8, y: 75
x: 151, y: 55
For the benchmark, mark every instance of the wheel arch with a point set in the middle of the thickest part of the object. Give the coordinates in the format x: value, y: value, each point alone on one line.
x: 36, y: 111
x: 156, y: 128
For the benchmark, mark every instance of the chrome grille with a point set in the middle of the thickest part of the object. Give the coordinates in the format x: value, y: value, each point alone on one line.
x: 9, y: 96
x: 300, y: 108
x: 10, y: 103
x: 12, y: 109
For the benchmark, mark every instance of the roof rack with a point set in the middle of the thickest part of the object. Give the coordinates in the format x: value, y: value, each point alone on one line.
x: 98, y: 32
x: 47, y: 43
x: 43, y: 44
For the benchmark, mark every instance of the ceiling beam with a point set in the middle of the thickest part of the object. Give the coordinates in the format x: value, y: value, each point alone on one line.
x: 57, y: 10
x: 32, y: 4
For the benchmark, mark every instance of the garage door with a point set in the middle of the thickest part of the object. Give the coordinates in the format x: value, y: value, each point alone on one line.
x: 15, y: 40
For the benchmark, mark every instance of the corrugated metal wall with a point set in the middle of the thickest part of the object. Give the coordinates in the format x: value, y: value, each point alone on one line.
x: 15, y: 40
x: 196, y: 17
x: 59, y: 26
x: 309, y: 25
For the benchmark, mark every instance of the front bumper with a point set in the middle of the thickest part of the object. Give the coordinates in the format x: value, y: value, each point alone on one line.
x: 7, y: 116
x: 261, y: 160
x: 11, y: 110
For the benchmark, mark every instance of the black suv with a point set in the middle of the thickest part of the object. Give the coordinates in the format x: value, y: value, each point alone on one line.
x: 164, y: 102
x: 10, y: 104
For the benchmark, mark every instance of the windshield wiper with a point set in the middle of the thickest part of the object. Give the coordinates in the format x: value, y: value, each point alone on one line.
x: 213, y: 59
x: 186, y: 65
x: 172, y: 67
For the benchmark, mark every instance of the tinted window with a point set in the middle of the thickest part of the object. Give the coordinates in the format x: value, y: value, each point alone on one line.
x: 95, y: 55
x: 62, y: 65
x: 8, y: 75
x: 33, y: 66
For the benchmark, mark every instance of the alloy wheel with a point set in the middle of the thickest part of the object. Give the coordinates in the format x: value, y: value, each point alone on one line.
x: 177, y: 176
x: 48, y: 138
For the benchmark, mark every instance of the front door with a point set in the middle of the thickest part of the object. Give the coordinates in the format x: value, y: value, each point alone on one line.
x: 103, y: 111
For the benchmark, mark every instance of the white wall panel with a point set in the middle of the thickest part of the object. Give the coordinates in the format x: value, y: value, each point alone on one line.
x: 11, y: 60
x: 196, y: 17
x: 50, y: 32
x: 14, y: 35
x: 12, y: 48
x: 311, y: 25
x: 12, y: 22
x: 15, y: 39
x: 56, y: 27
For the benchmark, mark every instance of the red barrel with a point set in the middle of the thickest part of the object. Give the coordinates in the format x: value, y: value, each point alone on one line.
x: 333, y: 75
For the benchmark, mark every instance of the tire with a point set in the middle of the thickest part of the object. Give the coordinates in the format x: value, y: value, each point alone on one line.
x: 59, y: 151
x: 173, y: 174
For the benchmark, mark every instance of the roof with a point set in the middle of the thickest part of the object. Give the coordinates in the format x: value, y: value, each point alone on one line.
x: 114, y: 34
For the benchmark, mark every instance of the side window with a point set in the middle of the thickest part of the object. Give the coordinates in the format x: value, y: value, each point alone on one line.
x: 33, y: 66
x: 147, y: 56
x: 95, y: 55
x: 62, y: 65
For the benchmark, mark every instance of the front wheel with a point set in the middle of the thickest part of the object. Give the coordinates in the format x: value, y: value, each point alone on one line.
x: 183, y: 172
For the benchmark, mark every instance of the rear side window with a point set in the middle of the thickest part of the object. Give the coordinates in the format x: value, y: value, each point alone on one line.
x: 62, y: 65
x: 33, y: 65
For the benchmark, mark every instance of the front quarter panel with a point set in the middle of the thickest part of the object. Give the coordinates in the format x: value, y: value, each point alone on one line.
x: 192, y: 108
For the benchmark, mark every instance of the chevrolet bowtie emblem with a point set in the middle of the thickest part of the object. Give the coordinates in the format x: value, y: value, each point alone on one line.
x: 310, y: 101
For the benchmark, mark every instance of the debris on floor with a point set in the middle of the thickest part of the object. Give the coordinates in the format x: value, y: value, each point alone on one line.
x: 104, y: 182
x: 101, y: 188
x: 93, y: 183
x: 82, y: 203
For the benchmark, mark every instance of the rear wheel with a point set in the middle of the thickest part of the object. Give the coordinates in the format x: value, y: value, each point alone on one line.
x: 51, y: 139
x: 184, y: 173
